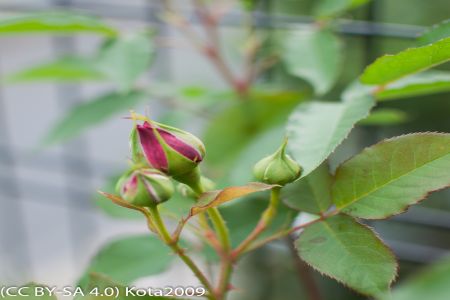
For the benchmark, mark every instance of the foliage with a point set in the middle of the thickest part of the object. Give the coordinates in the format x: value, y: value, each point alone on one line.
x: 431, y: 283
x: 128, y: 259
x: 320, y: 53
x: 351, y: 253
x: 230, y: 216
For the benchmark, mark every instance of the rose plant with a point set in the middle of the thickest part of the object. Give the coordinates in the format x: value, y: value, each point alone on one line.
x: 226, y: 189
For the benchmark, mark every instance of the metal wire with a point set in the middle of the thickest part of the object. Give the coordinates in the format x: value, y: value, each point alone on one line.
x: 234, y: 18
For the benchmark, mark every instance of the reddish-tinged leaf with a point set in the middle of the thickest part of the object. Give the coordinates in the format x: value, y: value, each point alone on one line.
x: 215, y: 198
x: 119, y: 201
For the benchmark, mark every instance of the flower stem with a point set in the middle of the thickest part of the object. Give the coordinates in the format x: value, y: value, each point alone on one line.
x: 220, y: 227
x: 165, y: 236
x: 264, y: 222
x: 226, y: 264
x: 223, y: 234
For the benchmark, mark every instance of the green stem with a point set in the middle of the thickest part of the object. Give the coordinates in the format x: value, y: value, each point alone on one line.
x: 213, y: 213
x: 165, y: 235
x: 226, y: 264
x: 221, y: 229
x: 193, y: 180
x: 264, y: 222
x: 271, y: 211
x: 225, y: 277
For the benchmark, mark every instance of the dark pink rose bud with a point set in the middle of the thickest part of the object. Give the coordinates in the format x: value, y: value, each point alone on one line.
x: 170, y: 150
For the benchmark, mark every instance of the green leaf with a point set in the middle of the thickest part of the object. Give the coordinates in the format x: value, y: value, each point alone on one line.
x: 315, y: 129
x: 121, y: 60
x: 234, y: 127
x: 91, y: 113
x: 330, y: 8
x: 392, y: 67
x: 98, y: 286
x: 313, y: 55
x: 129, y: 259
x: 56, y: 23
x: 31, y: 291
x: 249, y: 4
x: 433, y: 283
x: 385, y: 116
x: 312, y: 193
x: 63, y: 69
x: 383, y: 180
x: 424, y: 83
x: 435, y: 33
x: 124, y: 59
x: 349, y: 252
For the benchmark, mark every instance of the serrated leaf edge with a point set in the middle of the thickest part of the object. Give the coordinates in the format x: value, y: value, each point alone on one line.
x: 394, y: 278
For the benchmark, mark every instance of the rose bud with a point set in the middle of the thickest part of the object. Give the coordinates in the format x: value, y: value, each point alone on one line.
x: 170, y: 150
x: 145, y: 187
x: 278, y: 168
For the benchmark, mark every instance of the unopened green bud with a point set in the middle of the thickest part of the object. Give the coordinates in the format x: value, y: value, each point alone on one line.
x: 145, y: 187
x: 278, y: 168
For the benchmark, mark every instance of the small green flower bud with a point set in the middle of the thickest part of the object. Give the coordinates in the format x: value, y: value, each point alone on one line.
x: 145, y: 187
x: 278, y: 168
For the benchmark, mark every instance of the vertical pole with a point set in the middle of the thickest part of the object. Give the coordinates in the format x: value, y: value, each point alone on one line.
x: 75, y: 161
x: 15, y: 262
